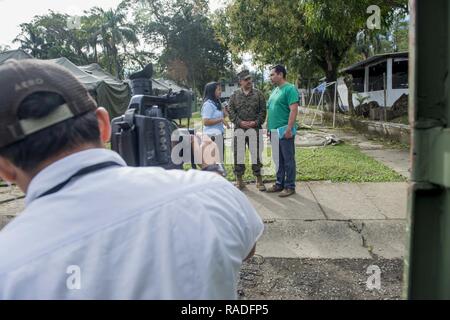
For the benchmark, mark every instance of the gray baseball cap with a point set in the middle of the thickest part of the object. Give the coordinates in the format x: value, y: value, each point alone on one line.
x: 244, y: 74
x: 20, y: 79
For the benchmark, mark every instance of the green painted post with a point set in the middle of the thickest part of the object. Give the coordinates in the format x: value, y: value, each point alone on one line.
x: 427, y: 266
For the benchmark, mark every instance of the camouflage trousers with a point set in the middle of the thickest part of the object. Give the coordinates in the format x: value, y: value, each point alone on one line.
x: 252, y: 140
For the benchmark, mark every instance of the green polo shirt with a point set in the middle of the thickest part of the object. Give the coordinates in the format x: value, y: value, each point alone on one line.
x: 278, y: 105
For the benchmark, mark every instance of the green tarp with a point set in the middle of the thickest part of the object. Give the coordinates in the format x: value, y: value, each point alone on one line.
x: 110, y: 93
x: 113, y: 93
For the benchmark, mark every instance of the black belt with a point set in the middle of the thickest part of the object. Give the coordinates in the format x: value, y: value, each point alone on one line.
x: 82, y: 172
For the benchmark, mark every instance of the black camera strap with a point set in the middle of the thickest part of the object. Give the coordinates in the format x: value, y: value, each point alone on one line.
x: 82, y: 172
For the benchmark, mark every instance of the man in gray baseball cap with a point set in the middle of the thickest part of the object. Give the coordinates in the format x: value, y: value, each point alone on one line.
x: 93, y: 228
x: 244, y: 75
x: 20, y: 80
x: 248, y: 113
x: 36, y: 96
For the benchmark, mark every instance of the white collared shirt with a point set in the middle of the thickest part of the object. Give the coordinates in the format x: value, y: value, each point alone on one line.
x: 127, y: 233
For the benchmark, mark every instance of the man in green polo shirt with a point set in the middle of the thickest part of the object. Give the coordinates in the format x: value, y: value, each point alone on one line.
x: 282, y: 110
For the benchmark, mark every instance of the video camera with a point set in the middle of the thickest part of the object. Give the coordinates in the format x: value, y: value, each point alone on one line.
x: 143, y: 135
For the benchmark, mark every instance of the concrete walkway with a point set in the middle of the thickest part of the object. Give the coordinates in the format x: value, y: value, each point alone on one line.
x: 333, y: 220
x: 323, y: 220
x: 338, y: 220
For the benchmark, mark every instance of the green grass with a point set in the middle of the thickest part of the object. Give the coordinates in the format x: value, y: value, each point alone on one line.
x: 342, y: 163
x: 195, y: 117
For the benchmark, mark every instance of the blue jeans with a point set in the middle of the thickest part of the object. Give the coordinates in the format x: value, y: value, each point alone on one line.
x: 286, y: 171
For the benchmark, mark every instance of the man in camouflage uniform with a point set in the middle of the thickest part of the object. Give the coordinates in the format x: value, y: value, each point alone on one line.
x: 247, y: 108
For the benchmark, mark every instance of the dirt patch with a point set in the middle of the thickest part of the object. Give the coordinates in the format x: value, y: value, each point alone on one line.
x: 11, y: 203
x: 318, y: 279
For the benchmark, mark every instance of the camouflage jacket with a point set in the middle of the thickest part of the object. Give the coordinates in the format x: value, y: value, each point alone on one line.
x: 251, y: 107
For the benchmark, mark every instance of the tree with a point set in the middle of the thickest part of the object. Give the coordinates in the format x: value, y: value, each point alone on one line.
x: 102, y: 37
x: 113, y: 32
x: 49, y: 36
x: 399, y: 32
x: 30, y: 40
x: 183, y: 32
x: 391, y: 38
x: 303, y: 33
x: 4, y: 48
x: 177, y: 33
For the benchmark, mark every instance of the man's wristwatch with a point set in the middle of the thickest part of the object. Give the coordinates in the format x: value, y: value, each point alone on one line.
x: 218, y: 167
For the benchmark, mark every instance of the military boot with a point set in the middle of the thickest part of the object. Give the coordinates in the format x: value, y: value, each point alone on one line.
x: 239, y: 183
x: 260, y: 184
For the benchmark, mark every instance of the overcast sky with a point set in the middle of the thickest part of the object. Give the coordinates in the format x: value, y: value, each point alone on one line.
x: 15, y: 12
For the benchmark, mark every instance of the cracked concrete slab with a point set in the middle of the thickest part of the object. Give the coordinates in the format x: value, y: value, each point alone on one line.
x: 389, y: 198
x: 301, y: 206
x: 386, y: 239
x: 333, y: 220
x: 298, y: 227
x: 344, y: 201
x: 311, y: 239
